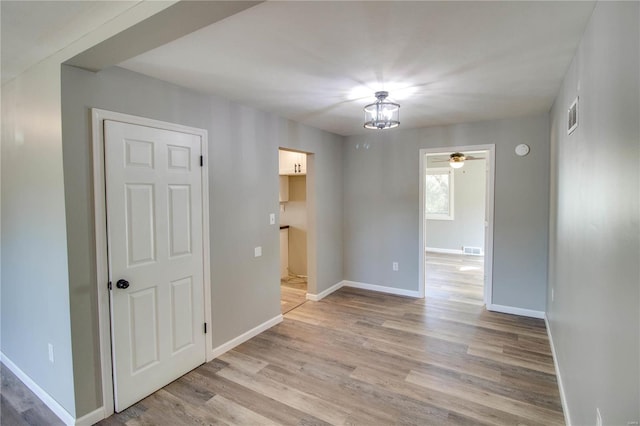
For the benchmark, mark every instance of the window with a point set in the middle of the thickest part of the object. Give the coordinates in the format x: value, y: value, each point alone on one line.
x: 439, y: 194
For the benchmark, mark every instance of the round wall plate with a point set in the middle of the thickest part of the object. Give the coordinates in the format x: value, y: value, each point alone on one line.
x: 522, y: 149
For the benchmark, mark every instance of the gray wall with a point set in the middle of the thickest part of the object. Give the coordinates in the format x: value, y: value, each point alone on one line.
x: 34, y: 291
x: 382, y: 211
x: 467, y: 226
x: 243, y: 185
x: 594, y: 315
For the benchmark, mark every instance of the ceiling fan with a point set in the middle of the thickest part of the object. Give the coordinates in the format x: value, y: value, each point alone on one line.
x: 457, y: 159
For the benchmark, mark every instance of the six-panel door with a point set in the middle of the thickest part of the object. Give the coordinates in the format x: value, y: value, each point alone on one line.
x: 154, y: 222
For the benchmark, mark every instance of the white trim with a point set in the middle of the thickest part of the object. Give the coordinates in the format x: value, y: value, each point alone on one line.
x: 102, y: 267
x: 490, y: 195
x: 563, y: 397
x: 225, y: 347
x: 91, y: 418
x: 382, y: 289
x: 443, y: 250
x: 422, y: 255
x: 47, y: 399
x: 323, y: 294
x: 206, y: 264
x: 489, y: 225
x: 515, y: 311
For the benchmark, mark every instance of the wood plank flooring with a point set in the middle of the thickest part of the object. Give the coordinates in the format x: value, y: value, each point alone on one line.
x: 455, y: 277
x: 19, y: 406
x: 359, y: 357
x: 293, y: 293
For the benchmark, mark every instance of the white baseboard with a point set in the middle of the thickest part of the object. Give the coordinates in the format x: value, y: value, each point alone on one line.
x: 443, y: 250
x: 323, y: 294
x: 382, y: 289
x: 225, y: 347
x: 91, y: 418
x: 53, y: 405
x: 563, y: 397
x: 515, y: 311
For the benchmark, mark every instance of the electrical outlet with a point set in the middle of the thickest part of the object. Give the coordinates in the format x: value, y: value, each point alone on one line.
x: 395, y: 266
x: 272, y: 219
x: 51, y: 353
x: 598, y: 417
x: 257, y: 252
x: 552, y: 295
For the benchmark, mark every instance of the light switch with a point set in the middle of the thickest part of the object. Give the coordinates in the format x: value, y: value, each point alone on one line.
x: 272, y: 219
x: 257, y: 252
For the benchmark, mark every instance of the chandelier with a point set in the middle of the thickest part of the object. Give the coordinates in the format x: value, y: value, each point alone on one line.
x: 382, y: 114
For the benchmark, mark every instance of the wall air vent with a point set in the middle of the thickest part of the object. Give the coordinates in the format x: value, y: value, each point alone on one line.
x: 572, y: 119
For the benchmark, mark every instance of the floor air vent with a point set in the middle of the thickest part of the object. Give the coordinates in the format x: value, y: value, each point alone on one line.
x: 472, y: 250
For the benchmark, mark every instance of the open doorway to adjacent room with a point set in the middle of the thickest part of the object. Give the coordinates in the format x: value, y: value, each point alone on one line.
x: 456, y: 211
x: 293, y: 229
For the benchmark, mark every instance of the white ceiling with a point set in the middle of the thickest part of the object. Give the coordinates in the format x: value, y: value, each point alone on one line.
x: 34, y: 30
x: 320, y: 62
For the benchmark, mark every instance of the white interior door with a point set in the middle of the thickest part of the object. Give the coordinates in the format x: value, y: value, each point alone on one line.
x: 154, y: 228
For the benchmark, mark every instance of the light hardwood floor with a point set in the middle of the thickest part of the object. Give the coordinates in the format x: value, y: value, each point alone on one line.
x: 293, y: 293
x: 359, y: 357
x: 19, y: 406
x: 455, y: 277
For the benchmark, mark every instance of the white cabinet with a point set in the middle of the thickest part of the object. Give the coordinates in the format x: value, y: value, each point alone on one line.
x: 292, y: 163
x: 284, y: 253
x: 284, y: 189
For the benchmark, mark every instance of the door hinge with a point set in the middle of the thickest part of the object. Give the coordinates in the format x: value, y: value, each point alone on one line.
x: 201, y: 161
x: 109, y: 285
x: 205, y: 328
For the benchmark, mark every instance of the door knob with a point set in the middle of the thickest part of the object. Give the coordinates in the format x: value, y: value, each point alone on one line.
x: 122, y: 284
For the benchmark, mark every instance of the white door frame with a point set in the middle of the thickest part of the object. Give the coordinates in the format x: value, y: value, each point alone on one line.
x: 489, y: 197
x: 312, y: 237
x: 102, y: 267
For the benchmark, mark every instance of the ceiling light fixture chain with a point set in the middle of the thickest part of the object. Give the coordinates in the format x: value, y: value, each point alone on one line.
x: 382, y: 114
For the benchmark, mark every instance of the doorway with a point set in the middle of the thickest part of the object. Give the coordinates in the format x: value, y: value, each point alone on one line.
x: 293, y: 229
x: 456, y: 223
x: 152, y: 253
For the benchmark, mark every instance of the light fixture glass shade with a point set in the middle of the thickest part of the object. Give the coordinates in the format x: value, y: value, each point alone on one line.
x: 456, y: 160
x: 382, y: 114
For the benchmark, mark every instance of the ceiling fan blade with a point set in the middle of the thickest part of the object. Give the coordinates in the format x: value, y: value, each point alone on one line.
x: 462, y: 157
